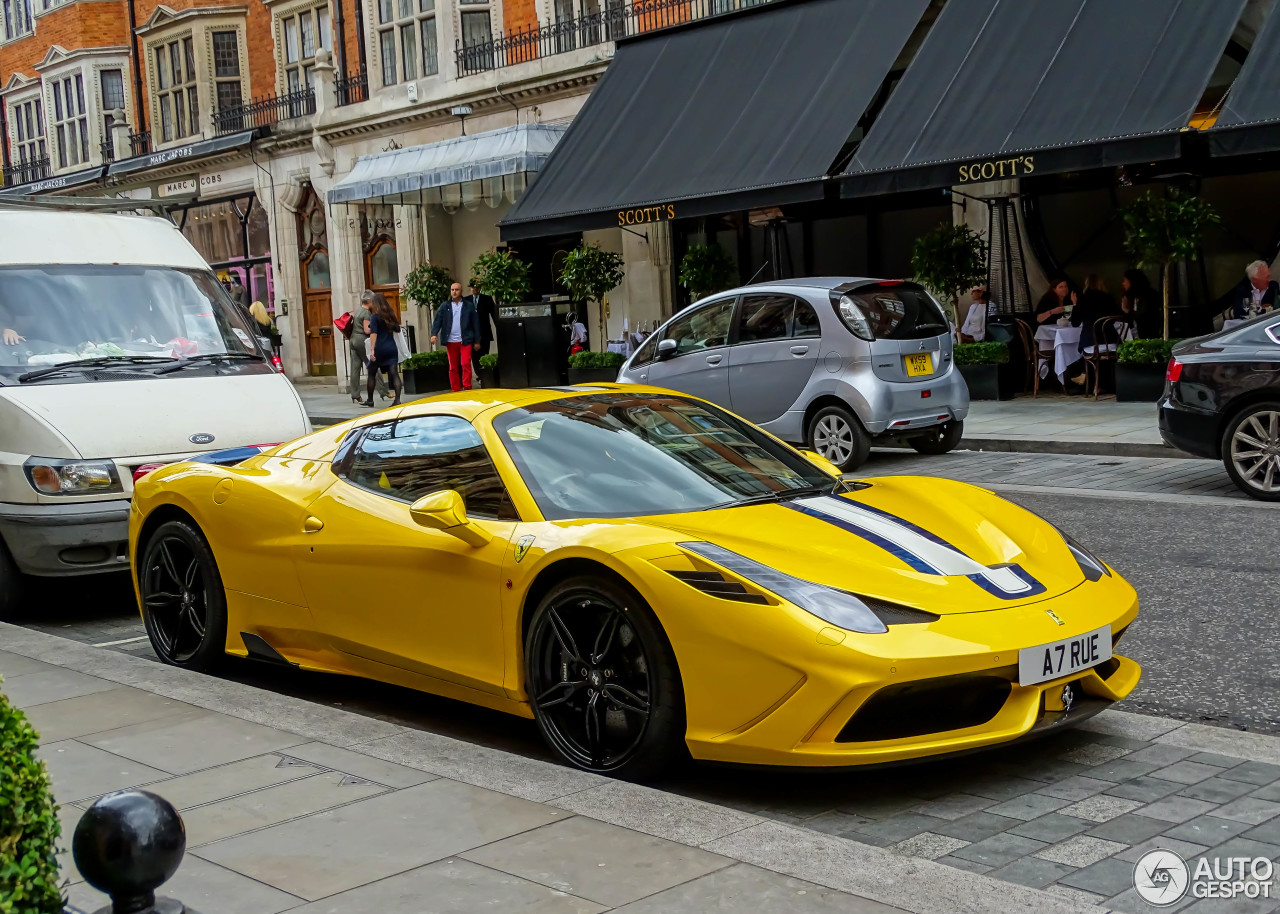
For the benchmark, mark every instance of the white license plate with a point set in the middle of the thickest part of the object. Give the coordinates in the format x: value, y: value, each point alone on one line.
x: 1062, y: 658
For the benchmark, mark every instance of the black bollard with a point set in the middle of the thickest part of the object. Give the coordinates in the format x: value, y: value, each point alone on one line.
x: 128, y: 844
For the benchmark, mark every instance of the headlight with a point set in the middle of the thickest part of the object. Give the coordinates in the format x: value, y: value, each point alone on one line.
x: 830, y: 605
x: 854, y: 319
x: 72, y: 477
x: 1090, y: 564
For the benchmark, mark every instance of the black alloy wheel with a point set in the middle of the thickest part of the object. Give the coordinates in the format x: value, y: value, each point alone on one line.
x: 603, y: 680
x: 183, y: 604
x: 940, y: 439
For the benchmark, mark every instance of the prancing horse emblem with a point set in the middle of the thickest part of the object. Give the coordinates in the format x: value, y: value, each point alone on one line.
x: 1068, y: 697
x: 1054, y: 616
x: 526, y: 541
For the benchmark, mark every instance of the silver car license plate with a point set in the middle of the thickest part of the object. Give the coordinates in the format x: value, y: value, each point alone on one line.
x: 1062, y: 658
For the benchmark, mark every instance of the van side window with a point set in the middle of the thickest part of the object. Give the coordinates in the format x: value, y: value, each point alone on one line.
x: 705, y: 328
x: 805, y: 322
x: 765, y: 317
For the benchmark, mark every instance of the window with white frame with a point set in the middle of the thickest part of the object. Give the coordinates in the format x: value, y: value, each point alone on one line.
x: 407, y: 42
x: 305, y: 32
x: 112, y: 83
x: 177, y: 97
x: 228, y: 89
x: 17, y: 18
x: 27, y: 120
x: 69, y: 122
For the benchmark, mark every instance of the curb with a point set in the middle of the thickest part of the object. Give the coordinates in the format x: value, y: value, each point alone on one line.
x: 1088, y: 448
x: 910, y: 884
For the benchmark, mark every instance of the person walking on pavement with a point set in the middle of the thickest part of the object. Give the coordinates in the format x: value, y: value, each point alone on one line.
x: 383, y: 326
x: 486, y: 315
x: 357, y: 357
x: 456, y: 322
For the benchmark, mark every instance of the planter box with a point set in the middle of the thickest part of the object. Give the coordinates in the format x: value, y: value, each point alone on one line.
x: 988, y: 382
x: 426, y: 380
x: 489, y: 377
x: 1139, y: 383
x: 593, y: 375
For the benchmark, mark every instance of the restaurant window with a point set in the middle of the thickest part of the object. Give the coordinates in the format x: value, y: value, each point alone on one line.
x: 17, y: 18
x: 226, y: 70
x: 179, y: 101
x: 28, y: 131
x: 70, y: 122
x: 305, y: 32
x: 407, y: 40
x: 477, y: 39
x: 112, y: 82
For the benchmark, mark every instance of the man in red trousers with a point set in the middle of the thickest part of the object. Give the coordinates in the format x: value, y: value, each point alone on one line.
x: 457, y: 323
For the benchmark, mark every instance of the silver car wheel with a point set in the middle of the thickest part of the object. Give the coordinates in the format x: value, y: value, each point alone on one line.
x: 1255, y: 451
x: 833, y: 439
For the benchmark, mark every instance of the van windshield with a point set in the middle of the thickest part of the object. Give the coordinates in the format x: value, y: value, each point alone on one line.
x: 54, y: 314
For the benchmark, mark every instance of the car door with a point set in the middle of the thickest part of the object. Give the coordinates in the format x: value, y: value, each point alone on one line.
x: 776, y: 343
x: 699, y: 365
x: 386, y: 589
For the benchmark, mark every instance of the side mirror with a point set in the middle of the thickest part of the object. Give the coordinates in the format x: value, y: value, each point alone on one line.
x: 821, y: 462
x: 445, y: 511
x: 666, y: 349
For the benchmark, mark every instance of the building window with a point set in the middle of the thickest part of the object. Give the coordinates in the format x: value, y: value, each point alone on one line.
x: 112, y: 98
x: 28, y: 123
x: 407, y: 40
x: 17, y: 18
x: 179, y: 101
x: 305, y: 33
x: 226, y: 70
x: 477, y: 30
x: 70, y: 123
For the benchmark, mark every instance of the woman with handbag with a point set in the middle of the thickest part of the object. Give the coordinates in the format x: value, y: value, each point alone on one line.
x: 357, y: 352
x: 383, y: 352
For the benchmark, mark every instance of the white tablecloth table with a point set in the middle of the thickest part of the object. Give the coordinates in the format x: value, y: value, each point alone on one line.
x: 1065, y: 343
x: 619, y: 347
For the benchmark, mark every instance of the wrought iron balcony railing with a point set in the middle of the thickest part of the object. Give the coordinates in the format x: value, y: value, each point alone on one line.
x: 26, y: 171
x: 352, y: 88
x: 140, y: 143
x: 266, y: 111
x: 618, y: 19
x: 108, y: 150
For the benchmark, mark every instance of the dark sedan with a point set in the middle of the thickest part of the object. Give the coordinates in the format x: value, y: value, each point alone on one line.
x: 1222, y: 400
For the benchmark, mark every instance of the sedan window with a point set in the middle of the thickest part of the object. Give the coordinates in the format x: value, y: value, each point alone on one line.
x: 409, y: 458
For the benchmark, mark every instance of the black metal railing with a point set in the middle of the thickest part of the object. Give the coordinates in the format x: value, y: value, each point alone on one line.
x: 140, y: 143
x: 619, y: 19
x: 266, y: 111
x: 108, y: 150
x: 352, y: 88
x: 24, y: 172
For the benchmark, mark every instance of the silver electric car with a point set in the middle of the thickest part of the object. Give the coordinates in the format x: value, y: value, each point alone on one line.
x: 830, y: 363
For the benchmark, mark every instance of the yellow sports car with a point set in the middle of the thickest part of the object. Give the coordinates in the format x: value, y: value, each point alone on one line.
x: 641, y: 572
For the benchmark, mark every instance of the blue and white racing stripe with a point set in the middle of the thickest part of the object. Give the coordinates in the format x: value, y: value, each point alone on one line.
x: 920, y: 549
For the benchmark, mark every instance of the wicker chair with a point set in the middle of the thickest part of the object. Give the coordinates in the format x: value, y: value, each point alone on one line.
x: 1035, y: 356
x: 1107, y: 334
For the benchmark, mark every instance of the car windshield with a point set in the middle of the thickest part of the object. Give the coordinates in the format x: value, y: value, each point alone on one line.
x: 632, y: 455
x: 51, y: 314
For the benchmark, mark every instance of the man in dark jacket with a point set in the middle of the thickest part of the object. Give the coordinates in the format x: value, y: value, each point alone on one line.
x: 456, y: 323
x: 1253, y: 295
x: 486, y: 316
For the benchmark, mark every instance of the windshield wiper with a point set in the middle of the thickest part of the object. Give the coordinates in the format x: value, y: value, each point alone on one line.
x: 932, y: 325
x: 91, y: 363
x: 786, y: 495
x: 209, y: 357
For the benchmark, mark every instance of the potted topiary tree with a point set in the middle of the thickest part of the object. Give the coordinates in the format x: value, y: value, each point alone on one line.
x: 426, y: 372
x: 594, y: 367
x: 950, y: 260
x: 502, y: 276
x: 29, y: 826
x: 1140, y: 369
x: 706, y: 269
x: 590, y: 273
x: 1160, y: 231
x: 427, y: 286
x: 489, y: 370
x: 979, y: 365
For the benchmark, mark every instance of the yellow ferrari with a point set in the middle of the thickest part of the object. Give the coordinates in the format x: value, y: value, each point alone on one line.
x: 641, y: 572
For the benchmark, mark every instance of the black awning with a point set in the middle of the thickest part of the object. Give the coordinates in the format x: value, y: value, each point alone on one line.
x: 1250, y: 117
x: 724, y: 114
x: 1010, y: 87
x: 59, y: 182
x: 190, y: 151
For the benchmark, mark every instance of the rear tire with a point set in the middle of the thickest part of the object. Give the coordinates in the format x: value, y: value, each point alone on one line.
x: 184, y: 606
x: 939, y: 440
x: 1251, y: 451
x: 12, y: 586
x: 836, y: 434
x: 603, y: 681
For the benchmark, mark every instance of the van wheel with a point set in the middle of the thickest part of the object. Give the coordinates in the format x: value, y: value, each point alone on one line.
x: 940, y: 439
x: 184, y: 605
x: 837, y: 435
x: 12, y: 585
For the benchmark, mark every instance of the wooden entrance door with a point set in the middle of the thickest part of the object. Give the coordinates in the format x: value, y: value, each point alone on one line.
x: 317, y: 294
x: 382, y: 271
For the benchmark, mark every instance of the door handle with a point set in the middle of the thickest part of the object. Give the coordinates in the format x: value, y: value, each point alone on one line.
x: 799, y: 350
x: 714, y: 359
x: 312, y: 525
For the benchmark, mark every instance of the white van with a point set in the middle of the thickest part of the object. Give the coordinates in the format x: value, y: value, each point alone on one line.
x: 119, y: 350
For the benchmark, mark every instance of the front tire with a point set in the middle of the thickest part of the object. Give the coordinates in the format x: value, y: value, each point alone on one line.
x: 940, y: 439
x: 1251, y: 451
x: 603, y: 680
x: 836, y: 434
x: 184, y: 606
x: 12, y: 585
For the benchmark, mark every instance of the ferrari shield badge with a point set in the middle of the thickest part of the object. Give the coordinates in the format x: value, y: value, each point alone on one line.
x: 522, y: 546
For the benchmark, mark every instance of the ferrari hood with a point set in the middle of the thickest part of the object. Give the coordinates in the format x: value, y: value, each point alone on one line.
x: 933, y: 544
